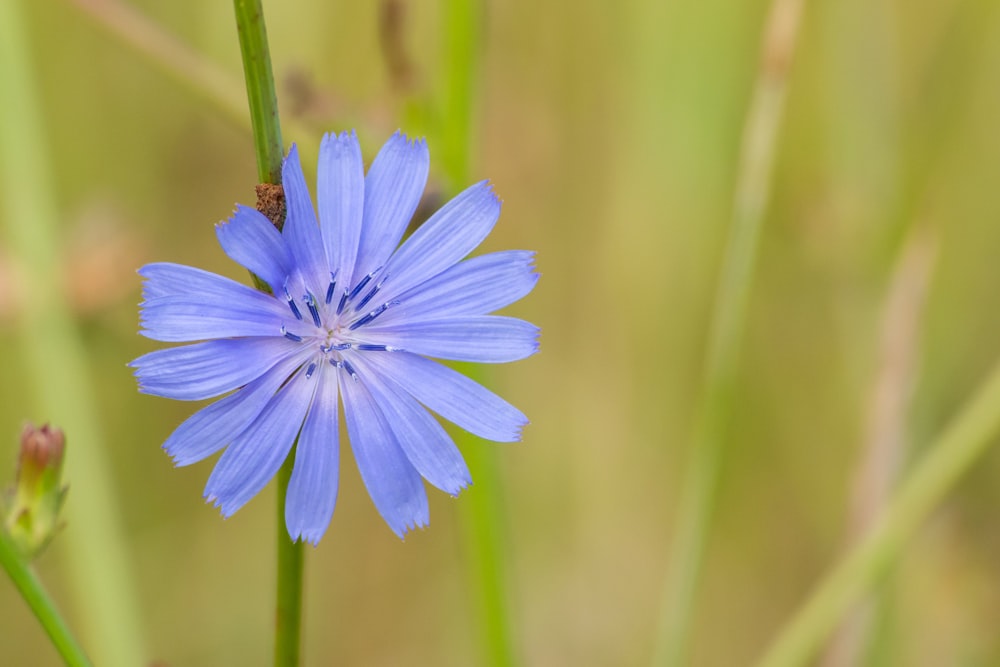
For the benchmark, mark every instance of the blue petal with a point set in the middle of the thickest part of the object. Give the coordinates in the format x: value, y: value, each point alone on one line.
x: 340, y: 193
x: 186, y: 319
x: 448, y: 236
x: 481, y: 338
x: 211, y: 428
x: 428, y: 447
x: 185, y: 304
x: 312, y: 491
x: 205, y: 370
x: 169, y: 279
x: 251, y: 461
x: 474, y: 287
x: 392, y: 482
x: 301, y: 230
x: 393, y: 187
x: 452, y: 395
x: 253, y: 242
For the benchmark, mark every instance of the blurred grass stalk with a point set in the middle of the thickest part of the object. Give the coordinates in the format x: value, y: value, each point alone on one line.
x: 726, y: 330
x: 481, y: 514
x: 967, y: 438
x: 55, y: 366
x: 885, y: 446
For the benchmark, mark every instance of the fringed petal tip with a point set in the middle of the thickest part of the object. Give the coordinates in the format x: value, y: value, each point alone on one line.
x: 311, y: 540
x: 463, y: 485
x: 418, y: 522
x: 226, y: 509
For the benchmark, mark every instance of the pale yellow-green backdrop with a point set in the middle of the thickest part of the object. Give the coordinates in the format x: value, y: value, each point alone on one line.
x: 612, y: 131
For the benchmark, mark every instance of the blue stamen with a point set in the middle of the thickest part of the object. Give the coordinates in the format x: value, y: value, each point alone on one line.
x: 295, y: 309
x: 365, y: 347
x: 361, y: 285
x: 311, y: 303
x: 350, y: 369
x: 372, y: 315
x: 291, y: 304
x: 340, y: 347
x: 373, y: 292
x: 330, y: 289
x: 310, y: 370
x: 343, y: 300
x: 289, y: 335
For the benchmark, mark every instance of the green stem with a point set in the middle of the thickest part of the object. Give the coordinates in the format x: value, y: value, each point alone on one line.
x: 725, y: 335
x: 270, y: 151
x: 260, y: 89
x: 962, y: 443
x: 45, y: 611
x: 288, y: 619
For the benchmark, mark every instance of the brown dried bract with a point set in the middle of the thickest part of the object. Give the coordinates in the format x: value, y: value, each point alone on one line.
x: 271, y: 202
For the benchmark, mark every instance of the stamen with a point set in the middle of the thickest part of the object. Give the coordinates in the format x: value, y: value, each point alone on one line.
x: 372, y: 315
x: 311, y: 303
x: 339, y: 347
x: 310, y: 370
x: 291, y: 303
x: 330, y: 289
x: 350, y: 369
x: 343, y: 300
x: 289, y: 335
x: 373, y: 292
x: 365, y: 347
x: 361, y: 285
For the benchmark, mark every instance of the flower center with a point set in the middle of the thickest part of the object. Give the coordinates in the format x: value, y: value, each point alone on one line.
x: 337, y: 320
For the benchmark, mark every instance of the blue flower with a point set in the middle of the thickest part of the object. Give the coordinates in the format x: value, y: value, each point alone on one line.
x: 353, y: 317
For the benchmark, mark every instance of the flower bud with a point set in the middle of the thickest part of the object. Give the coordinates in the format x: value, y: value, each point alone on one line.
x: 33, y: 515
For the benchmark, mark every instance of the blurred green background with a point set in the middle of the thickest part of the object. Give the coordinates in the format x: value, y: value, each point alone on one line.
x: 612, y: 132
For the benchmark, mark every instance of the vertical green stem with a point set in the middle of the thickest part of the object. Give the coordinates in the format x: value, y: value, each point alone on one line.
x: 481, y: 510
x: 260, y: 89
x: 54, y: 363
x: 45, y: 611
x: 270, y: 151
x: 288, y: 617
x: 964, y: 441
x: 726, y: 333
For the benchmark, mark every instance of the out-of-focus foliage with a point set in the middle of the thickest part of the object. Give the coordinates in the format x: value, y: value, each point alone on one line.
x: 612, y: 134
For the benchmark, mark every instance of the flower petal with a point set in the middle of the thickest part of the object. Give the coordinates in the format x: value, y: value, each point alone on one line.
x: 455, y: 397
x: 392, y: 482
x: 184, y: 304
x: 426, y: 444
x: 251, y: 461
x: 312, y: 490
x: 474, y: 287
x: 253, y: 242
x: 393, y: 187
x: 185, y: 319
x: 448, y: 236
x: 205, y: 370
x: 169, y: 279
x: 482, y: 338
x: 340, y: 193
x: 213, y: 427
x: 301, y: 230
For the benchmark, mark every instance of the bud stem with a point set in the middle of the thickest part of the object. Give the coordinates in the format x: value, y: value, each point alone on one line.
x: 31, y: 589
